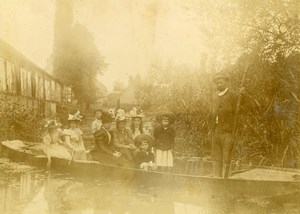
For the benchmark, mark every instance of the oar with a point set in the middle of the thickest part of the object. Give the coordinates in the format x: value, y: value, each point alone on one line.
x: 72, y: 156
x: 48, y: 157
x: 227, y: 166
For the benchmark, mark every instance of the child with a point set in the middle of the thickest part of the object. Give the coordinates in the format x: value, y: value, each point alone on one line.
x: 73, y: 138
x: 97, y: 123
x: 52, y: 142
x: 144, y: 158
x: 164, y: 136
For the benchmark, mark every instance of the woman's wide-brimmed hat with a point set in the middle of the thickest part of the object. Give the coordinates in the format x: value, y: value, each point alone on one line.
x: 106, y: 117
x: 120, y: 115
x: 143, y: 137
x: 136, y: 112
x: 97, y: 110
x: 166, y: 114
x: 75, y: 117
x: 51, y: 124
x: 221, y: 75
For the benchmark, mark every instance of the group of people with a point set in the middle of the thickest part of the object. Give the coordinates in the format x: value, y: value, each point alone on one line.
x: 127, y: 145
x: 65, y: 143
x: 135, y: 146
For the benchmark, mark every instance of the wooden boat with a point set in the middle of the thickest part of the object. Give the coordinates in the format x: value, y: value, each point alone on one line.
x: 258, y: 182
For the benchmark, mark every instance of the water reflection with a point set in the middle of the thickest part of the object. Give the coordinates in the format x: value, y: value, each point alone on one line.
x: 28, y: 191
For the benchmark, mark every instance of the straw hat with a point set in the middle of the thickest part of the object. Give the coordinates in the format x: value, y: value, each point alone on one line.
x: 221, y: 75
x: 75, y: 117
x: 97, y: 110
x: 51, y: 124
x: 106, y: 117
x: 166, y: 114
x: 143, y: 137
x: 136, y: 112
x: 120, y: 115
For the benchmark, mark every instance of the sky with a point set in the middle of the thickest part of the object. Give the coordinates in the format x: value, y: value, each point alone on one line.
x: 128, y: 33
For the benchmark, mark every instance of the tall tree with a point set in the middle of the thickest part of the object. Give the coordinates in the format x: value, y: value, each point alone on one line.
x: 76, y: 58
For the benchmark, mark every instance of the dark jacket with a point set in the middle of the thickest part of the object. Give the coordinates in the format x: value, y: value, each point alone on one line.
x: 102, y: 142
x: 143, y: 157
x: 224, y: 108
x: 164, y: 138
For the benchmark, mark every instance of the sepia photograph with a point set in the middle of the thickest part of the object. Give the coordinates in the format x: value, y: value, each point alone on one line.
x: 149, y: 106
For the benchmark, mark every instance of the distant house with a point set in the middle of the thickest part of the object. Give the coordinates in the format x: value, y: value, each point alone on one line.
x: 124, y: 98
x: 101, y: 93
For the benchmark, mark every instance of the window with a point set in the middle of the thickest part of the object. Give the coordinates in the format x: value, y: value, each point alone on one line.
x: 29, y: 84
x: 36, y: 86
x: 11, y: 78
x: 41, y: 88
x: 23, y: 82
x: 58, y: 92
x: 53, y: 94
x: 47, y: 90
x: 67, y: 94
x: 2, y: 75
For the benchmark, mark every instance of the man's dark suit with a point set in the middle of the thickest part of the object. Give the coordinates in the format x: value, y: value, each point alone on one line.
x: 221, y: 125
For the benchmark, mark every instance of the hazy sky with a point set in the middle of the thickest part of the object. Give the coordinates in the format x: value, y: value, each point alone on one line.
x: 129, y: 33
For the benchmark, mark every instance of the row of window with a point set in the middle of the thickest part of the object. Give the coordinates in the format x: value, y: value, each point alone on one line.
x: 30, y: 84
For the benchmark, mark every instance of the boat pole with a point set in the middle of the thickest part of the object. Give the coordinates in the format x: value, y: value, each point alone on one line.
x: 239, y: 97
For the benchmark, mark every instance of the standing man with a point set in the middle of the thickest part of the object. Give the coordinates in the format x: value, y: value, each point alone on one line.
x: 97, y: 123
x: 222, y: 116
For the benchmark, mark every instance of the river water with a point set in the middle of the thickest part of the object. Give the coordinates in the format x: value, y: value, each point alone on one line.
x: 28, y: 190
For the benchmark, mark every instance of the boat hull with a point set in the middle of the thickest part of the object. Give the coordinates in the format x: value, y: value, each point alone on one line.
x: 180, y: 183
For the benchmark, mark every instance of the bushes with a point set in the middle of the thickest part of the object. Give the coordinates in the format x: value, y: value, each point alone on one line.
x: 18, y: 122
x: 268, y: 122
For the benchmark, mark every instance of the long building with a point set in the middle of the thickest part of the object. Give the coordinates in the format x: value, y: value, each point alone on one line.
x: 23, y: 81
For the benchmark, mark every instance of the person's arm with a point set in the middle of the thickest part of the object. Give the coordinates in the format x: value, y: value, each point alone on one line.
x: 117, y: 143
x: 68, y: 142
x: 100, y: 138
x: 155, y: 135
x: 130, y: 140
x: 81, y: 139
x: 210, y: 115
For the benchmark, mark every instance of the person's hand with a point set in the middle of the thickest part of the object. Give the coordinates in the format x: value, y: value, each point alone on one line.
x: 127, y: 146
x: 242, y: 91
x: 132, y: 146
x: 209, y: 133
x: 117, y: 154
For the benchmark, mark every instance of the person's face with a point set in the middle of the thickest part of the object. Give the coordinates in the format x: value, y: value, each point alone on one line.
x: 136, y: 122
x: 121, y: 125
x: 221, y: 84
x: 73, y: 124
x: 165, y: 122
x: 98, y: 114
x: 107, y: 125
x: 144, y: 145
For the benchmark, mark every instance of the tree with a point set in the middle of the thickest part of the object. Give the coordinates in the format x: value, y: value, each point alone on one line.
x: 76, y: 58
x: 265, y: 34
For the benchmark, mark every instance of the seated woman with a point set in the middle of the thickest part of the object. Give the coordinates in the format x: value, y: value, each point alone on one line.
x: 136, y: 126
x: 73, y: 138
x: 104, y: 151
x: 122, y: 138
x: 54, y: 146
x: 144, y: 158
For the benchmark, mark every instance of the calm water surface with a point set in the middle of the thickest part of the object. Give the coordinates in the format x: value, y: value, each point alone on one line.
x: 28, y: 190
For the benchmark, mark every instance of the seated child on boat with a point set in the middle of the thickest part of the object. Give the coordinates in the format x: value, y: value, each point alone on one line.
x: 54, y: 146
x: 144, y: 158
x: 73, y: 138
